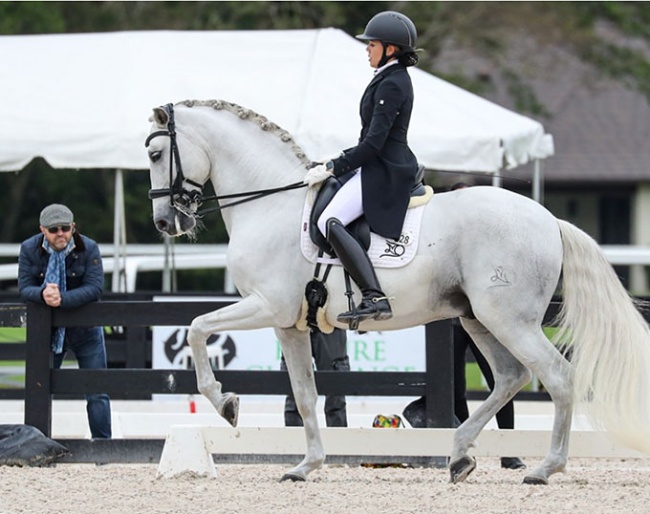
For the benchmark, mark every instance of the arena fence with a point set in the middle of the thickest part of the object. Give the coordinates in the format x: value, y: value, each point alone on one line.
x: 42, y: 382
x: 135, y: 317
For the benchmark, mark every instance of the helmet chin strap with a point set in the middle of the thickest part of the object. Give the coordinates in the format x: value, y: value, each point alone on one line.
x: 385, y: 58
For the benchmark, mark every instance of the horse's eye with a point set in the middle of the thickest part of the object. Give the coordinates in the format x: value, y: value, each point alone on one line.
x: 155, y: 156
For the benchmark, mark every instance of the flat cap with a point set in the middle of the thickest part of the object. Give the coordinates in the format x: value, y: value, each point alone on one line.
x: 56, y: 215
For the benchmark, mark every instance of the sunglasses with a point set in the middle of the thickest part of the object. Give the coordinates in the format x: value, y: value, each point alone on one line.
x: 64, y: 229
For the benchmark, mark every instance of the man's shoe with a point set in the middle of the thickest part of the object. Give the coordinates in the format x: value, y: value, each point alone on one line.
x: 373, y: 306
x: 512, y: 463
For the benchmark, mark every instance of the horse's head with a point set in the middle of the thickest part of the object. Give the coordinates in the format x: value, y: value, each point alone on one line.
x: 176, y: 184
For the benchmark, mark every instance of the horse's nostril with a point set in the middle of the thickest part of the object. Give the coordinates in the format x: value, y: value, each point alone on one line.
x: 162, y: 225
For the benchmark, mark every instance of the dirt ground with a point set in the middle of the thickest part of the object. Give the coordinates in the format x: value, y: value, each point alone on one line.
x: 589, y: 486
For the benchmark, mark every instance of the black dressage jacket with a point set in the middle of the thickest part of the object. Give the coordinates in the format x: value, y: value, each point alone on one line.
x: 388, y: 164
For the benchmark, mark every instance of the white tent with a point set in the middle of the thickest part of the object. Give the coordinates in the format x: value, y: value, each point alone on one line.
x: 82, y: 100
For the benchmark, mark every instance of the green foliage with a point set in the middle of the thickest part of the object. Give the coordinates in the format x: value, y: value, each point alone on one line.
x: 624, y: 64
x: 31, y: 18
x: 88, y: 193
x: 633, y: 18
x: 523, y: 95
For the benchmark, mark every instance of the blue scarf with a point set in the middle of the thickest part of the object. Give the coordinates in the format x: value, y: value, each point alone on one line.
x: 55, y: 274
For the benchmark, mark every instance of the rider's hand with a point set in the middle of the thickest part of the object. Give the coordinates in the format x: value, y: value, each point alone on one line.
x: 318, y: 173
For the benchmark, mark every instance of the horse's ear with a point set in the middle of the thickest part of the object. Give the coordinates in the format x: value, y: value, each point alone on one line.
x: 160, y: 116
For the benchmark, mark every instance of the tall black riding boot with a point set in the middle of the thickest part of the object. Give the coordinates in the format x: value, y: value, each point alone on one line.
x: 355, y: 260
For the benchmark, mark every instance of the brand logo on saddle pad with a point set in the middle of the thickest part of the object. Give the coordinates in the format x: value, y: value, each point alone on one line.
x: 384, y: 253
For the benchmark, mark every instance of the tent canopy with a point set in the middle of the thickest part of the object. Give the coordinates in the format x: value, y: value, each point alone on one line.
x: 83, y: 100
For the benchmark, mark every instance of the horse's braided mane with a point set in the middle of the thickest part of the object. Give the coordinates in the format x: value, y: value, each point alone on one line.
x: 248, y: 114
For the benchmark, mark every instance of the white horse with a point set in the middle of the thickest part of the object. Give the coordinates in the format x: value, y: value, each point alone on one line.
x: 486, y: 255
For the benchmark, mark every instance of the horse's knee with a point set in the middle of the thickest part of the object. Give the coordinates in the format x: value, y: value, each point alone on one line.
x: 196, y: 333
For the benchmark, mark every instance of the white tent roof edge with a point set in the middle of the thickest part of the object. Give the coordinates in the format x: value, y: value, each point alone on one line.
x: 101, y: 87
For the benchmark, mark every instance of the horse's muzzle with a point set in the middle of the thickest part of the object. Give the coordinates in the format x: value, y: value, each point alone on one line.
x: 174, y: 224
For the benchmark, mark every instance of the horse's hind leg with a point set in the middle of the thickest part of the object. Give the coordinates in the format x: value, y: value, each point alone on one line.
x: 297, y: 354
x: 249, y: 313
x: 555, y: 372
x: 509, y: 377
x: 532, y: 348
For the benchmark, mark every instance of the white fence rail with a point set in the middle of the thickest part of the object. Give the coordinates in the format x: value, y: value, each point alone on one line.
x: 189, y: 448
x: 141, y: 258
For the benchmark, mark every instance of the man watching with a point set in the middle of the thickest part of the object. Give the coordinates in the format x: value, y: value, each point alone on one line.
x: 63, y: 269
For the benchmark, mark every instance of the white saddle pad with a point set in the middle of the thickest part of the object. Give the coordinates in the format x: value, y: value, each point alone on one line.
x: 384, y: 253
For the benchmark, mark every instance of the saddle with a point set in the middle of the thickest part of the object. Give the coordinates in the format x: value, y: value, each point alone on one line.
x: 316, y: 295
x: 359, y: 228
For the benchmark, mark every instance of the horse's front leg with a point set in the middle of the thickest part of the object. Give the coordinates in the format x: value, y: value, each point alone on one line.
x: 249, y: 313
x: 296, y: 348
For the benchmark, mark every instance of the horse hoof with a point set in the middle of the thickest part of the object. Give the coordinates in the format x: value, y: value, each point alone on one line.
x: 230, y: 410
x: 460, y: 469
x: 535, y: 480
x: 292, y: 477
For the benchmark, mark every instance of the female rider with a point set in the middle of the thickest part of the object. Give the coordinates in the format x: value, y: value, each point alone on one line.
x: 382, y: 166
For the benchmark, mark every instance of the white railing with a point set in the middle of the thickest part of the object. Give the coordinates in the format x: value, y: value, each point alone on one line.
x: 152, y: 257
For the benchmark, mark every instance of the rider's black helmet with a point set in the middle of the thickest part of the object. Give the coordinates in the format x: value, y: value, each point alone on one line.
x: 393, y: 28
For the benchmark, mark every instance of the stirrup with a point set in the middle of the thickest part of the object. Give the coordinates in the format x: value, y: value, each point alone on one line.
x: 367, y: 309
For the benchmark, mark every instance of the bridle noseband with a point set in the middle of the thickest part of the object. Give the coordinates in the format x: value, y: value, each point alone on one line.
x: 182, y: 199
x: 179, y: 197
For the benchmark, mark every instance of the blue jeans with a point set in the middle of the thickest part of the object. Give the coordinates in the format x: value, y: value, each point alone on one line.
x: 89, y: 348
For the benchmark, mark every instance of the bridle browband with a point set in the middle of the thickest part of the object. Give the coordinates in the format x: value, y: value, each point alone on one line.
x: 179, y: 197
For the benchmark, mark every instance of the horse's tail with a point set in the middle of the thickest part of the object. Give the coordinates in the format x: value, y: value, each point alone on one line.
x: 608, y: 341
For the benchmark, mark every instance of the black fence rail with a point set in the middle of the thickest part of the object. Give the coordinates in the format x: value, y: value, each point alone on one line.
x: 42, y: 382
x: 129, y: 351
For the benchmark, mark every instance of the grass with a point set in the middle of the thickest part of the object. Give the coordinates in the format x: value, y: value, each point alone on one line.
x: 13, y: 335
x: 474, y: 377
x: 11, y: 380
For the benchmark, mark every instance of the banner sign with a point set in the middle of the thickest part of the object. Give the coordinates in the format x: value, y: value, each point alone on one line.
x: 398, y: 350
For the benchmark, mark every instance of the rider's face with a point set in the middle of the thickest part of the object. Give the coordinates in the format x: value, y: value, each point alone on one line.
x: 375, y: 51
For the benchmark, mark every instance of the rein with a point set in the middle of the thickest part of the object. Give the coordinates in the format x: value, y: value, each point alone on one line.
x: 252, y: 195
x: 181, y: 198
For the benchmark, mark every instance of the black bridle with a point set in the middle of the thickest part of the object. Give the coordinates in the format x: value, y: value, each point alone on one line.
x: 181, y: 198
x: 178, y: 195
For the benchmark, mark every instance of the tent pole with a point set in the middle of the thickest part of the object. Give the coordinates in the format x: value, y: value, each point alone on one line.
x: 538, y: 179
x: 169, y: 283
x: 118, y: 283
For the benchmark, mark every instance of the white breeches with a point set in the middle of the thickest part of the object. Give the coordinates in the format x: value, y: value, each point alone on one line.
x: 346, y: 206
